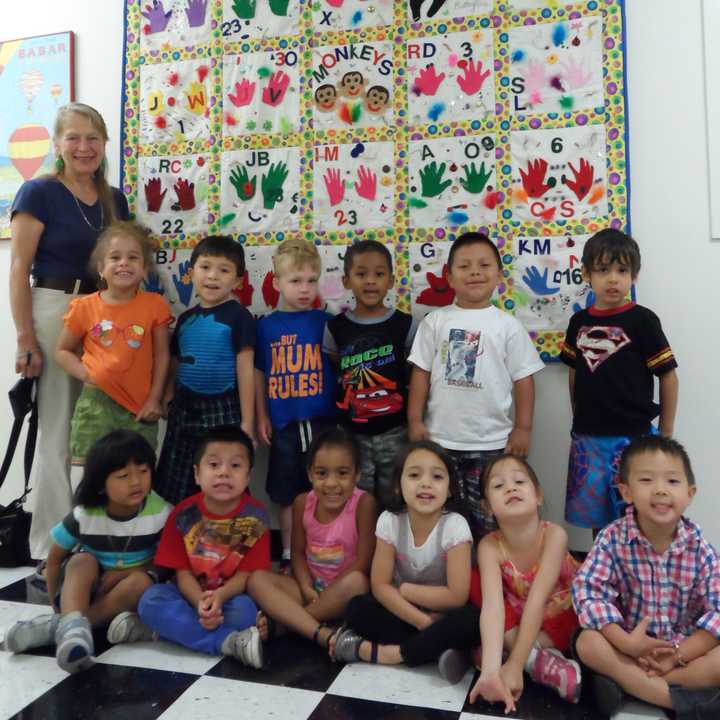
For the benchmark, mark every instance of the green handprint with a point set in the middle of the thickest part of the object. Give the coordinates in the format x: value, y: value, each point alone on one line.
x: 431, y: 180
x: 279, y: 7
x: 272, y: 183
x: 244, y: 9
x: 474, y: 182
x: 244, y: 187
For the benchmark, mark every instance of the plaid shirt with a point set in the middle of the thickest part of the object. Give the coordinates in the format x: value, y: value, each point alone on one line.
x: 624, y: 580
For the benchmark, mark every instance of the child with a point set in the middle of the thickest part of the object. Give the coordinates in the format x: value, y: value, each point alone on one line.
x: 372, y: 343
x: 294, y: 381
x: 212, y: 352
x: 648, y: 593
x: 332, y: 543
x: 526, y: 573
x: 213, y: 541
x: 470, y: 360
x: 124, y: 336
x: 613, y: 348
x: 420, y: 570
x: 116, y: 523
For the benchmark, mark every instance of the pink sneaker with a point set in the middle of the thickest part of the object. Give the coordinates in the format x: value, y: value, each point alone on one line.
x: 553, y: 669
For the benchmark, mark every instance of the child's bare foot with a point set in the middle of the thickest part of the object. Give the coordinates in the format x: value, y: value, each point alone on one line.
x: 262, y: 623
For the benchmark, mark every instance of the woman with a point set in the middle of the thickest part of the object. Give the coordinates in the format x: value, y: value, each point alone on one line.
x: 55, y: 221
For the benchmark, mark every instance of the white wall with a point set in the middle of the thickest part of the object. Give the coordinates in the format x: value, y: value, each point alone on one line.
x: 669, y: 215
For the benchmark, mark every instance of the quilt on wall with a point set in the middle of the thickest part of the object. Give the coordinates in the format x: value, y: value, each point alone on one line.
x: 404, y: 121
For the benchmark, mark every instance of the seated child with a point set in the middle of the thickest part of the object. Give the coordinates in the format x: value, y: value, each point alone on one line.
x: 213, y: 540
x: 371, y: 343
x: 212, y: 349
x: 332, y: 543
x: 115, y: 524
x: 648, y: 594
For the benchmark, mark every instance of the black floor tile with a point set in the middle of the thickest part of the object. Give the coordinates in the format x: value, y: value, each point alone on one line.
x: 335, y: 707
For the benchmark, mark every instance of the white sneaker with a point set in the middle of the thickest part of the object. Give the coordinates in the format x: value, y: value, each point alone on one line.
x: 245, y: 646
x: 127, y: 627
x: 26, y: 634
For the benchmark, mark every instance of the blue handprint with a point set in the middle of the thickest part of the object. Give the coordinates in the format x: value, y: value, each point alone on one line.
x: 589, y: 300
x: 538, y: 283
x: 152, y: 283
x: 183, y: 284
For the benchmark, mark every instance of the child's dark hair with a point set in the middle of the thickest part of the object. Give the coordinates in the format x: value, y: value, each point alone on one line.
x: 520, y: 461
x: 609, y: 246
x: 362, y: 247
x: 220, y: 246
x: 473, y: 238
x: 335, y: 436
x: 112, y: 452
x: 224, y: 434
x: 654, y: 443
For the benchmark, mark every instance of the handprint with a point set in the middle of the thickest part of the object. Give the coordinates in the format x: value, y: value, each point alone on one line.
x: 185, y: 192
x: 366, y: 186
x: 183, y: 283
x: 439, y: 293
x: 153, y: 196
x: 589, y: 300
x: 575, y: 74
x: 195, y: 12
x: 334, y: 186
x: 538, y: 283
x: 431, y: 180
x: 270, y: 295
x: 335, y: 3
x: 152, y: 283
x: 196, y: 97
x: 244, y: 9
x: 583, y: 179
x: 244, y: 292
x: 534, y: 179
x: 244, y: 187
x: 157, y: 16
x: 474, y: 182
x: 276, y: 88
x: 271, y: 184
x: 279, y: 7
x: 244, y: 91
x: 428, y: 81
x: 472, y: 78
x: 535, y: 82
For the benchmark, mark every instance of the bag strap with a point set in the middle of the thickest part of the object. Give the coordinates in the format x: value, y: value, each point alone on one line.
x: 29, y: 448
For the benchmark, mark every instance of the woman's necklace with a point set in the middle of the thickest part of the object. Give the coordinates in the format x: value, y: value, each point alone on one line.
x: 121, y: 553
x: 84, y: 216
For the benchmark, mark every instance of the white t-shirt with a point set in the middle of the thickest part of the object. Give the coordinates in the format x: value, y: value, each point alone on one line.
x: 427, y: 564
x: 473, y: 357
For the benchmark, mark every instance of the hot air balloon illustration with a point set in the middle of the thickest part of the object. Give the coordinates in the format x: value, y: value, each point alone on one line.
x: 30, y: 83
x: 7, y: 50
x: 27, y: 148
x: 56, y: 91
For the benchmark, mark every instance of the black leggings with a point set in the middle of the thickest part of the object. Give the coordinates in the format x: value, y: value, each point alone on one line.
x: 457, y: 628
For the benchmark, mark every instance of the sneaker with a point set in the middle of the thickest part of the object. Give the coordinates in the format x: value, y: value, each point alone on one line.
x: 452, y: 665
x: 608, y: 695
x: 551, y: 668
x: 245, y: 646
x: 26, y: 634
x: 127, y: 627
x: 75, y: 647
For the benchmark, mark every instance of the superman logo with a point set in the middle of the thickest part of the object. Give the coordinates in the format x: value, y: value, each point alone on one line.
x: 598, y: 342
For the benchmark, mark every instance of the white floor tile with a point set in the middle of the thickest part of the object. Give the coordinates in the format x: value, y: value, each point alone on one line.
x: 11, y: 612
x: 420, y: 686
x: 10, y: 575
x: 24, y: 679
x: 636, y: 710
x: 472, y: 716
x: 159, y: 655
x: 211, y: 698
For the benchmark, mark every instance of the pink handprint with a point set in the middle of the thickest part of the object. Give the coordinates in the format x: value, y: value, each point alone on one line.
x: 153, y: 196
x: 366, y: 186
x: 335, y: 3
x: 185, y: 192
x: 334, y: 186
x: 575, y: 74
x: 428, y: 81
x: 583, y: 179
x: 244, y: 91
x: 275, y: 91
x: 534, y: 179
x: 535, y: 82
x: 473, y: 77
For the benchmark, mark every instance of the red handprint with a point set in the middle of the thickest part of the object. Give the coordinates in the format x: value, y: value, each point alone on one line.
x: 366, y: 186
x: 276, y: 88
x: 269, y: 293
x: 244, y: 293
x: 583, y: 179
x: 472, y: 78
x: 244, y: 91
x: 428, y: 81
x: 153, y: 196
x: 335, y: 3
x: 185, y: 192
x: 439, y: 293
x: 334, y: 185
x: 534, y: 179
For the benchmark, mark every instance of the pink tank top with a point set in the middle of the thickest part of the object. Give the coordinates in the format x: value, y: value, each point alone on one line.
x: 330, y: 547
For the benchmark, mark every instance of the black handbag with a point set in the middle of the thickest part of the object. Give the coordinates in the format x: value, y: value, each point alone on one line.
x: 14, y: 521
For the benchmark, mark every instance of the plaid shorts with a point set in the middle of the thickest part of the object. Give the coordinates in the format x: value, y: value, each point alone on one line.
x: 190, y: 416
x: 379, y: 454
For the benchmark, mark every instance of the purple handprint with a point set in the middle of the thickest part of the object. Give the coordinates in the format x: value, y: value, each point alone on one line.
x: 334, y: 186
x: 157, y: 16
x: 183, y: 283
x: 366, y: 186
x: 195, y: 12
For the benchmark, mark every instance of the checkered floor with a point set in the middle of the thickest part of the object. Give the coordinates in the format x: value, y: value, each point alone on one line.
x: 158, y: 680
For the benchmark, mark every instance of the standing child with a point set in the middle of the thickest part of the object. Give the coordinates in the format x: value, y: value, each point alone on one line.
x: 526, y: 573
x: 294, y: 380
x: 471, y: 360
x: 212, y: 352
x: 371, y: 343
x: 614, y: 349
x: 123, y: 332
x: 116, y: 523
x: 332, y: 543
x: 213, y: 541
x: 420, y: 570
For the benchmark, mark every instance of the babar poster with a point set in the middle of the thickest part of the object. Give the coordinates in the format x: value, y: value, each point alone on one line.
x: 408, y: 122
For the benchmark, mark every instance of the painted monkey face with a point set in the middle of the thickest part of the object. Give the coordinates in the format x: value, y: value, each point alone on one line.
x: 376, y: 99
x: 352, y: 84
x: 325, y: 98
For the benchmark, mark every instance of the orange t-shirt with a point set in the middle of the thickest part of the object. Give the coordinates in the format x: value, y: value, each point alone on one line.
x: 118, y: 343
